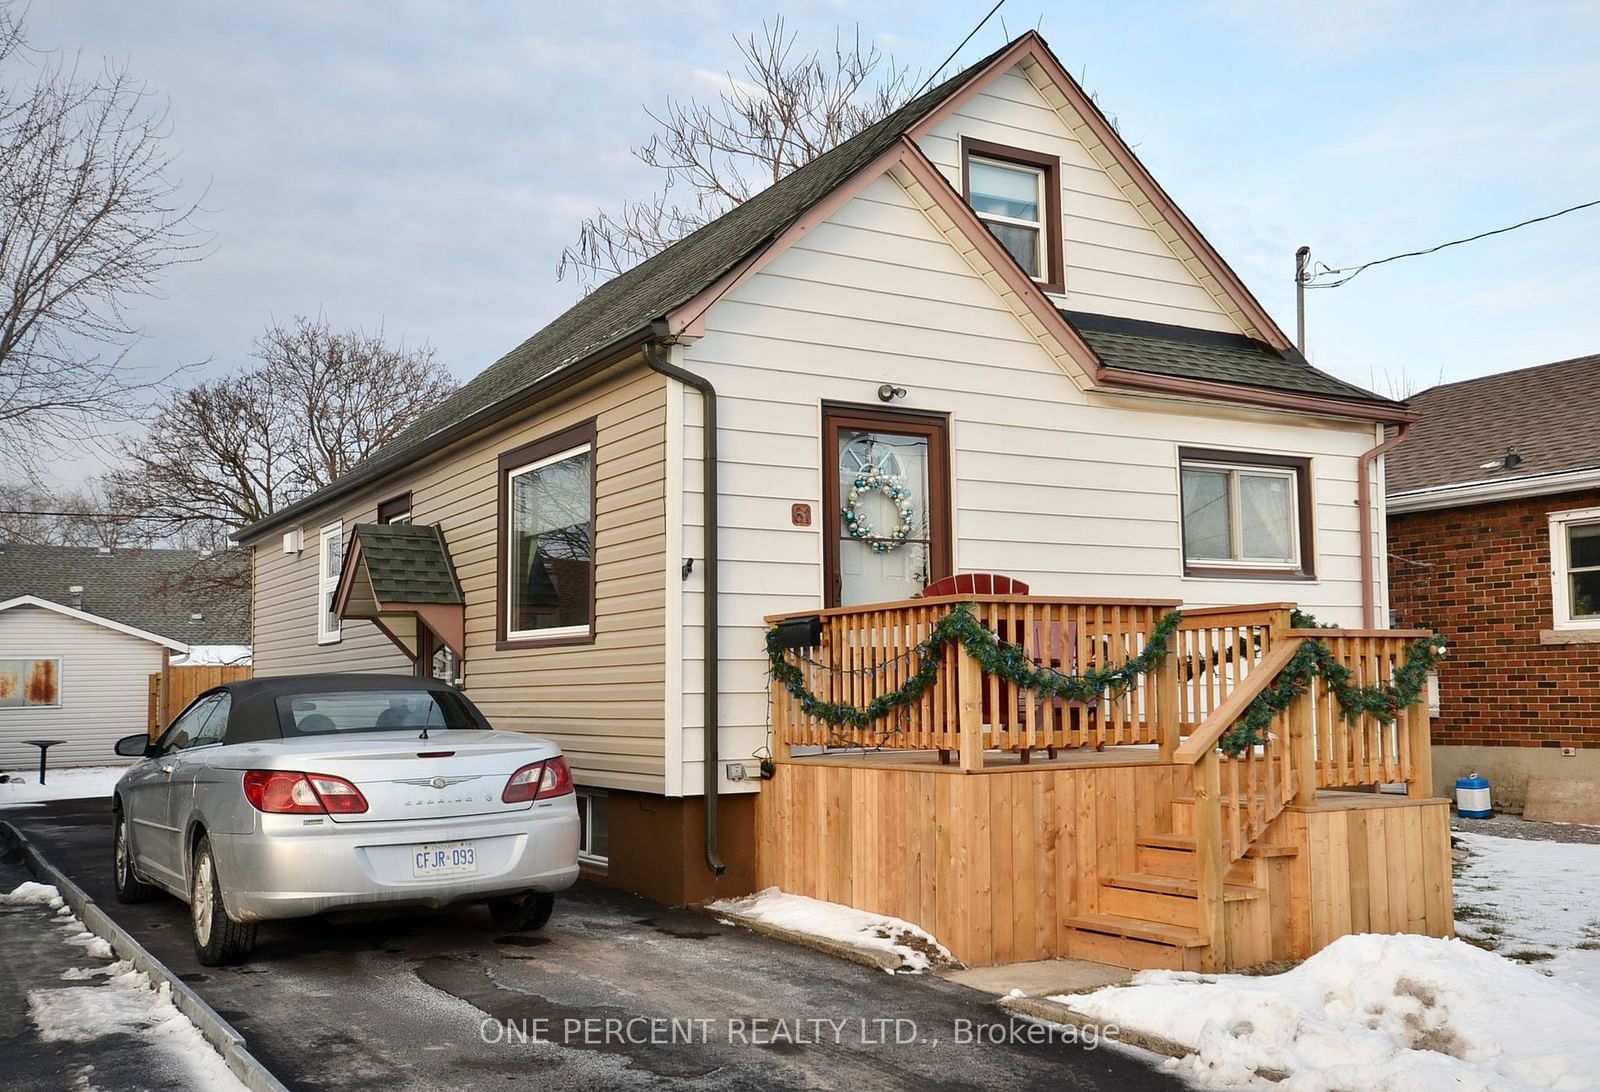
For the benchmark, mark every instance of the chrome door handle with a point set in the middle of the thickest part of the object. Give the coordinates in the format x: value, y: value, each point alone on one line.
x: 166, y: 769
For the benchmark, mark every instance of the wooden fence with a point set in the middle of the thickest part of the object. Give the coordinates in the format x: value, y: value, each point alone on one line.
x: 184, y: 685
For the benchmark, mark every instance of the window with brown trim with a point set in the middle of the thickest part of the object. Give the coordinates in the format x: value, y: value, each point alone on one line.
x: 1246, y: 515
x: 1017, y: 195
x: 546, y: 541
x: 395, y: 509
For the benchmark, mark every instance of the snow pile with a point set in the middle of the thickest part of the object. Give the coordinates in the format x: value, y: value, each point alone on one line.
x: 214, y: 656
x: 917, y: 949
x: 1533, y: 901
x: 75, y: 783
x: 29, y: 893
x: 1371, y: 1012
x: 126, y: 1003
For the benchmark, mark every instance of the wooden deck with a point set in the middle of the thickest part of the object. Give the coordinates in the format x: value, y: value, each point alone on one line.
x: 1139, y: 841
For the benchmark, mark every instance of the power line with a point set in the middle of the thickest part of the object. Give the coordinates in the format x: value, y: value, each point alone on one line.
x: 958, y: 48
x: 69, y: 515
x: 1358, y: 270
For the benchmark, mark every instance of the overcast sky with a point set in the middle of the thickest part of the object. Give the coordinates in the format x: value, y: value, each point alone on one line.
x: 419, y: 166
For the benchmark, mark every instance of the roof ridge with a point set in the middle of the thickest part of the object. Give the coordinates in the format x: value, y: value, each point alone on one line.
x: 1510, y: 372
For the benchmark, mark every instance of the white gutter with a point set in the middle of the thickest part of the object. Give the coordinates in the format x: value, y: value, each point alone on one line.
x: 1486, y: 490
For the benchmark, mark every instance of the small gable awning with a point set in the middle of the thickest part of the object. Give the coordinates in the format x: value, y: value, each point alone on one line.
x: 399, y: 576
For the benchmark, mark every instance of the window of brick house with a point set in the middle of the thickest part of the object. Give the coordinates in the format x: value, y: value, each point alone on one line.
x: 1575, y: 568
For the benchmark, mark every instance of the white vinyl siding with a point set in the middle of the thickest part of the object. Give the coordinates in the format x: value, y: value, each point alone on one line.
x: 1116, y: 262
x: 104, y: 687
x: 1077, y: 493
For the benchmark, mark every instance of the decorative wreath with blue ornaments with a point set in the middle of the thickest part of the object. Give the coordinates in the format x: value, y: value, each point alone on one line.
x: 874, y: 480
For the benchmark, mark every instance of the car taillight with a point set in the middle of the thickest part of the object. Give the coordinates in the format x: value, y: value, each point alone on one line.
x: 538, y: 781
x: 287, y: 792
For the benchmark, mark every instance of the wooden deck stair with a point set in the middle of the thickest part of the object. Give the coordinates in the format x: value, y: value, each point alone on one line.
x: 1150, y: 918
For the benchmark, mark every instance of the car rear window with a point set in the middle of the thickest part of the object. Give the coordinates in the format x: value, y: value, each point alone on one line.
x: 374, y: 711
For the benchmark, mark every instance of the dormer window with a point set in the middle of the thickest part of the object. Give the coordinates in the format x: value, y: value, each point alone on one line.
x: 1016, y: 193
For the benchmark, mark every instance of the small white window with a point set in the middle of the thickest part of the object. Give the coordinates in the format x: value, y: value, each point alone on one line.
x: 1575, y: 568
x: 1010, y: 199
x: 330, y: 556
x: 1241, y: 516
x: 593, y: 827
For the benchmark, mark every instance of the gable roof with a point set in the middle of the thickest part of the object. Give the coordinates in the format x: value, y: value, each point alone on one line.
x: 152, y: 591
x: 1546, y: 413
x: 92, y: 619
x: 407, y: 563
x: 624, y: 312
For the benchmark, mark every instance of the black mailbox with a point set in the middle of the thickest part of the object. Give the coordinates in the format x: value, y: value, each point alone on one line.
x: 799, y: 633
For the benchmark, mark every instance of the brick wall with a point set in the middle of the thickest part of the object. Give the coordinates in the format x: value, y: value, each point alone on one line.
x: 1481, y: 576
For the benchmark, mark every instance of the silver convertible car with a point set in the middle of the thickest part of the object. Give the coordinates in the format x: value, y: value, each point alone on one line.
x: 294, y: 796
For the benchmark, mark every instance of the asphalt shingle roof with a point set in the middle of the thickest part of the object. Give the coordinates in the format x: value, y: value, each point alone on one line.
x: 1203, y: 354
x: 628, y: 304
x: 152, y: 590
x: 1546, y: 412
x: 408, y: 563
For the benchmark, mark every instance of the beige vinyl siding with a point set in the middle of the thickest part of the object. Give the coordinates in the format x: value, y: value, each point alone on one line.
x: 105, y: 690
x: 1117, y: 263
x: 602, y: 702
x: 1075, y: 492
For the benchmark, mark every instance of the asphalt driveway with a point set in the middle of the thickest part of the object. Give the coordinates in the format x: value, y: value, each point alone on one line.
x: 615, y: 992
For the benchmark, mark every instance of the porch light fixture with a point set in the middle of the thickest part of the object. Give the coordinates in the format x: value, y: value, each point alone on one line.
x: 888, y: 392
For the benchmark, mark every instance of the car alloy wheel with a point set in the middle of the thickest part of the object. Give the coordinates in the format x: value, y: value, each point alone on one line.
x: 128, y: 885
x: 218, y: 938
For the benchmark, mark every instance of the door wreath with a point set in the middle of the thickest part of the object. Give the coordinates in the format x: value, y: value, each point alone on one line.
x: 874, y: 480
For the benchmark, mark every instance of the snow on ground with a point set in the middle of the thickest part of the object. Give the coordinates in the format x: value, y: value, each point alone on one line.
x: 214, y: 656
x: 1536, y: 902
x: 73, y: 783
x: 1513, y: 1005
x: 917, y: 949
x: 1378, y: 1013
x: 125, y: 1002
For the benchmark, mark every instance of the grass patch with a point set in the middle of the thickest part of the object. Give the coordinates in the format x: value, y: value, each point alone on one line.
x: 1271, y: 967
x: 1467, y: 912
x: 1589, y: 946
x: 1486, y: 943
x: 1530, y: 955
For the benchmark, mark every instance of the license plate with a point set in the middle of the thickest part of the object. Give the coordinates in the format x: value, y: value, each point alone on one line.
x: 443, y: 859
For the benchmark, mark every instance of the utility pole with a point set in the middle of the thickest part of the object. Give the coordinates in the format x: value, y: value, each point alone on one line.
x: 1302, y: 264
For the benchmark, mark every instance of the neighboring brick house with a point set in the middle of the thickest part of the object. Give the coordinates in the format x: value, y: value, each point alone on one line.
x: 1494, y: 541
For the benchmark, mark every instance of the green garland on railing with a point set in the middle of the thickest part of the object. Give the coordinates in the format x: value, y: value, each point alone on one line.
x: 994, y: 657
x: 1314, y: 658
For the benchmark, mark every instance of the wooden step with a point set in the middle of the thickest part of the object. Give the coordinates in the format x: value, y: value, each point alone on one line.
x: 1128, y: 952
x: 1186, y: 842
x: 1164, y: 899
x: 1180, y: 888
x: 1151, y: 932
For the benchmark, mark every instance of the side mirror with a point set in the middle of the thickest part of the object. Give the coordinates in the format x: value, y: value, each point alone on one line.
x: 133, y: 746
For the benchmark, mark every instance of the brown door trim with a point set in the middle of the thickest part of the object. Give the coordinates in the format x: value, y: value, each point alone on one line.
x: 934, y: 426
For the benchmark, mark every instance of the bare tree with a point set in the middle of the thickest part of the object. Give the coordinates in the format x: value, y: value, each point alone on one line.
x: 785, y: 111
x: 84, y: 516
x: 227, y: 452
x: 89, y: 219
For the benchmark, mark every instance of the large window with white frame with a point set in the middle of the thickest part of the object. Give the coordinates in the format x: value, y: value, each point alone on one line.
x: 1245, y: 515
x: 330, y: 556
x: 547, y: 540
x: 1575, y: 568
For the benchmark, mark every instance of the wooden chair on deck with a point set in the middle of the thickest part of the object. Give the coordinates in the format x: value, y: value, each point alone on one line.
x: 1055, y: 646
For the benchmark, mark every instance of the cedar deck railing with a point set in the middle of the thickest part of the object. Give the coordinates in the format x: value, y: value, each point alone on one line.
x: 1221, y: 659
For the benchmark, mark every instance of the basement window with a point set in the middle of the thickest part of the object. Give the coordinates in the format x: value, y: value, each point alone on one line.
x: 594, y: 831
x: 1245, y: 515
x: 1575, y: 568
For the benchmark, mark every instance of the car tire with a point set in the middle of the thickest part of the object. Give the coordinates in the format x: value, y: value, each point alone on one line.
x: 218, y: 939
x: 130, y: 888
x: 525, y: 914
